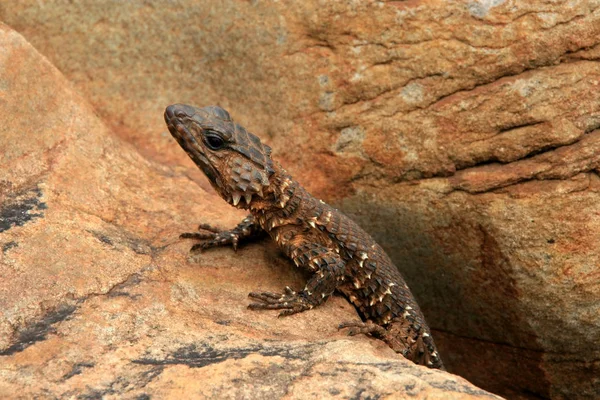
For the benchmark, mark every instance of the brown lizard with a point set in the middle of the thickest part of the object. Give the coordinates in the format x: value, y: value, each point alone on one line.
x: 316, y: 236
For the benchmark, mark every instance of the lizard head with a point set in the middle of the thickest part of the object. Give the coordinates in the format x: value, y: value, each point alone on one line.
x: 234, y: 160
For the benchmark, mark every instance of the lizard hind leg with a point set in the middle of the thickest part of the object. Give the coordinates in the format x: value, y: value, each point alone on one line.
x: 395, y: 336
x: 414, y: 346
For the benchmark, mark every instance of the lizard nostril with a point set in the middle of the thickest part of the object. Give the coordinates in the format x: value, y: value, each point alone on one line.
x: 175, y: 111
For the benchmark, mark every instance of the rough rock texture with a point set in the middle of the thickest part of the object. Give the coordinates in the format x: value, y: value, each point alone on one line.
x: 462, y: 134
x: 98, y: 298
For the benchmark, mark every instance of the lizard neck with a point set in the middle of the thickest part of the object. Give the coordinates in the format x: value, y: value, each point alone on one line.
x: 279, y: 192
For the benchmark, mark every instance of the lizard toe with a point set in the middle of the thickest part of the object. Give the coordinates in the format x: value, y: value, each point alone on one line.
x: 351, y: 324
x: 267, y: 297
x: 297, y: 308
x: 208, y: 227
x: 196, y: 235
x: 362, y: 328
x: 290, y: 302
x: 197, y: 248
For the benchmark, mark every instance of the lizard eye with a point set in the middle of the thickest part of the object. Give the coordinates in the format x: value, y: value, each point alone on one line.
x: 214, y: 142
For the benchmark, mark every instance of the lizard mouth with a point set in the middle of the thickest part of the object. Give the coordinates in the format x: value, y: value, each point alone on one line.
x: 188, y: 142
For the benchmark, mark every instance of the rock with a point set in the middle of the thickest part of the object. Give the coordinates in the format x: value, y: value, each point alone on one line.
x: 462, y: 135
x: 100, y: 299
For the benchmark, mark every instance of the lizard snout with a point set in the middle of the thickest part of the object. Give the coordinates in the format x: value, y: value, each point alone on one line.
x: 178, y: 111
x: 169, y: 113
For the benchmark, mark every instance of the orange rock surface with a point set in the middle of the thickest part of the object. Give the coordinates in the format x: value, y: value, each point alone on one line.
x: 464, y: 136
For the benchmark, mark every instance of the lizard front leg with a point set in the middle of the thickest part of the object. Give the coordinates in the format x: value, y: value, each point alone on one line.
x: 214, y: 237
x: 328, y: 270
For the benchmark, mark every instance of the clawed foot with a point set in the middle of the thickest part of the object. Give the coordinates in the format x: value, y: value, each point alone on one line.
x: 213, y: 236
x: 363, y: 328
x: 290, y: 302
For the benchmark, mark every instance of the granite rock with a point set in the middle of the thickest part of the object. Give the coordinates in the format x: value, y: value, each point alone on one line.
x: 100, y: 299
x: 463, y: 135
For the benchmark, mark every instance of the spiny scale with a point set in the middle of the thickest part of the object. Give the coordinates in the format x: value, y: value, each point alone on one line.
x: 314, y: 235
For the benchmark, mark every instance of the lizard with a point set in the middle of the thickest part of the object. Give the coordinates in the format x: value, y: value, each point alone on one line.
x: 340, y: 255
